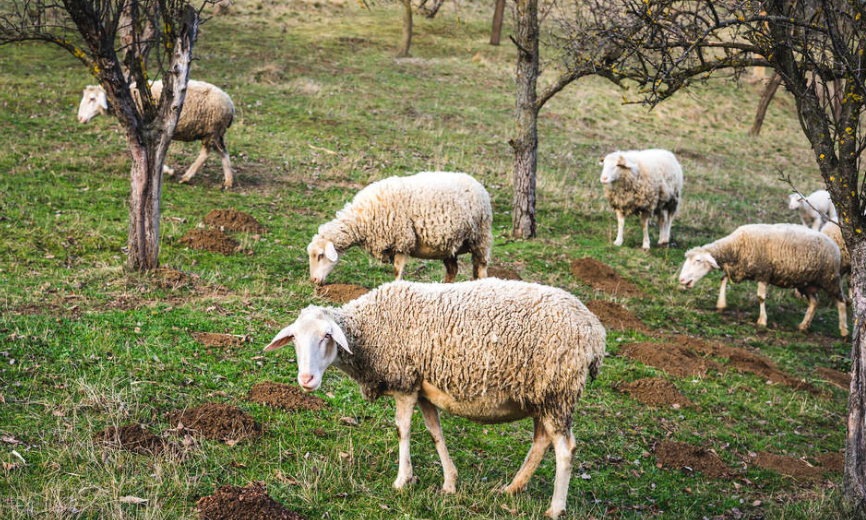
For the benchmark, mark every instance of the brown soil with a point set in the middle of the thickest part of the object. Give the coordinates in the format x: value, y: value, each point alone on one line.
x: 170, y: 279
x: 615, y: 316
x: 340, y: 292
x: 674, y: 359
x: 602, y: 277
x: 787, y: 466
x: 243, y: 503
x: 654, y: 391
x: 234, y: 220
x: 503, y: 273
x: 217, y: 421
x: 212, y: 339
x: 835, y: 377
x: 131, y: 437
x: 287, y: 397
x: 832, y: 462
x: 682, y: 455
x: 210, y: 240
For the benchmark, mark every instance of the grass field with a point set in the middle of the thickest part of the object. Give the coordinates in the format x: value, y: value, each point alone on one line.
x: 323, y: 108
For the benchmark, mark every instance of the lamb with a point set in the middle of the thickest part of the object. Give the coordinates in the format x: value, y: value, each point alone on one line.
x: 489, y: 350
x: 207, y: 113
x: 432, y: 215
x: 648, y: 183
x: 814, y: 210
x: 784, y: 255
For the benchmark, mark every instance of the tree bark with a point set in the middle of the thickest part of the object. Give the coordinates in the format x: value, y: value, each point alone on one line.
x: 406, y: 38
x: 855, y: 448
x: 766, y: 97
x: 496, y: 32
x: 525, y: 143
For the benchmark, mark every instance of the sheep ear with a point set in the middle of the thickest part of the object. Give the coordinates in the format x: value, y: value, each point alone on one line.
x: 285, y: 336
x: 622, y: 162
x: 601, y: 161
x: 331, y: 252
x: 338, y: 335
x: 712, y: 261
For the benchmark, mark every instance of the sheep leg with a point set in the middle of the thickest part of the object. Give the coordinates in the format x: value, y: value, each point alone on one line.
x: 450, y: 269
x: 563, y: 445
x: 193, y: 169
x: 227, y: 164
x: 620, y: 224
x: 431, y: 419
x: 843, y: 318
x: 762, y: 295
x: 664, y: 228
x: 722, y: 302
x: 404, y: 404
x: 399, y: 265
x: 479, y: 266
x: 540, y: 443
x: 810, y: 313
x: 644, y: 222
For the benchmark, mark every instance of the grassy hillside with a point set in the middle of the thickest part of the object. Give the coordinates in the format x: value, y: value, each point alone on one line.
x: 323, y: 108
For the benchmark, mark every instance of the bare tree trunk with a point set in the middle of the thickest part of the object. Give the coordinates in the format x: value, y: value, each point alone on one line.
x: 406, y: 38
x: 766, y: 97
x: 855, y: 449
x: 525, y: 144
x: 498, y: 13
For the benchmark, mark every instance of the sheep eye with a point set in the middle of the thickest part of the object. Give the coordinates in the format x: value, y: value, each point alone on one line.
x: 321, y: 256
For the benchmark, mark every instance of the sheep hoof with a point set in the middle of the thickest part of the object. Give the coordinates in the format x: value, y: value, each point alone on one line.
x: 511, y: 489
x: 761, y: 323
x: 803, y: 328
x: 721, y: 307
x: 553, y: 513
x: 183, y: 180
x: 617, y: 242
x: 449, y: 489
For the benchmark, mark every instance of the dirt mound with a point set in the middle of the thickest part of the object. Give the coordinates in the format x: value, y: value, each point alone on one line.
x: 287, y: 397
x: 788, y: 466
x: 213, y: 339
x: 835, y: 377
x: 654, y: 391
x: 682, y: 455
x: 170, y: 279
x: 615, y: 316
x: 210, y: 240
x: 234, y: 220
x: 503, y: 273
x: 217, y: 421
x: 243, y: 503
x: 131, y: 437
x: 340, y: 292
x: 674, y: 359
x: 602, y: 277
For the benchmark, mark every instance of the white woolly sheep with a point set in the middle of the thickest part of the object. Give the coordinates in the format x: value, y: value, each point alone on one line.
x: 207, y: 113
x: 648, y: 183
x: 431, y: 215
x: 489, y: 350
x: 784, y: 255
x: 814, y: 210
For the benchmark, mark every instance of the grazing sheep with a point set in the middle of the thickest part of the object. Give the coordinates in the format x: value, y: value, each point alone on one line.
x: 814, y: 210
x: 643, y: 182
x: 489, y: 350
x: 432, y: 215
x: 784, y: 255
x: 207, y: 113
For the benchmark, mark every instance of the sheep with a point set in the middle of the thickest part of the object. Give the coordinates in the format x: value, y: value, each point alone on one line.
x: 784, y: 255
x: 207, y: 113
x: 489, y: 350
x: 814, y: 210
x: 832, y: 230
x: 643, y: 182
x: 432, y: 215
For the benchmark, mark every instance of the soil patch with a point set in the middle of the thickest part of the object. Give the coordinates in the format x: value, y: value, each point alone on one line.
x: 503, y: 273
x: 674, y: 359
x: 682, y: 455
x: 340, y: 292
x: 602, y: 277
x: 212, y: 339
x: 835, y: 377
x: 234, y: 220
x: 131, y: 437
x: 210, y: 240
x: 654, y: 391
x: 832, y: 462
x: 788, y: 466
x: 243, y: 503
x: 615, y: 316
x: 286, y: 397
x: 170, y: 279
x: 217, y: 421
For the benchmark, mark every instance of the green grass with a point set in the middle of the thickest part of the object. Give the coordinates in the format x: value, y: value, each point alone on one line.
x: 86, y: 344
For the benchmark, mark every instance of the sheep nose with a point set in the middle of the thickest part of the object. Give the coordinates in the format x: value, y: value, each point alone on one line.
x: 683, y: 281
x: 314, y: 280
x: 306, y: 379
x: 81, y: 120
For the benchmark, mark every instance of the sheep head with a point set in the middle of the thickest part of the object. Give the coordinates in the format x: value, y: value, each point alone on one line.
x: 698, y: 263
x: 323, y: 258
x: 795, y: 200
x: 93, y: 103
x: 614, y: 165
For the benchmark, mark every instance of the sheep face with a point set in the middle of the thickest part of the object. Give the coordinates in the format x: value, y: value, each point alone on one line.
x: 323, y: 258
x: 698, y: 263
x: 317, y: 338
x: 794, y: 200
x: 93, y: 103
x: 614, y: 166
